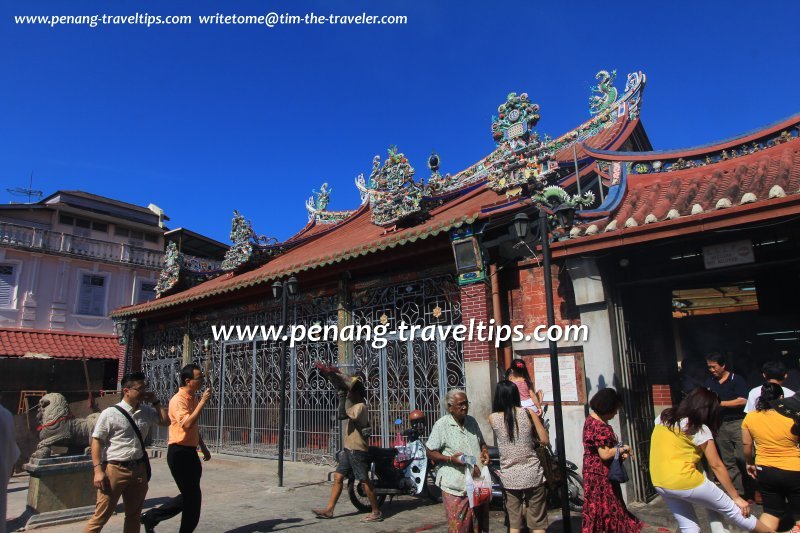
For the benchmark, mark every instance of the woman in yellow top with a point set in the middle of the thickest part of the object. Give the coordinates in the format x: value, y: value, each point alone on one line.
x: 777, y: 463
x: 682, y: 435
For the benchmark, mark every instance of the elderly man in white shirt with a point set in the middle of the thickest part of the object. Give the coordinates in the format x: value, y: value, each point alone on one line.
x: 118, y: 456
x: 773, y: 372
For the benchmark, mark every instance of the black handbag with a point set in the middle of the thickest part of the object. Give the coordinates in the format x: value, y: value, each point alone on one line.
x: 146, y: 458
x: 616, y: 470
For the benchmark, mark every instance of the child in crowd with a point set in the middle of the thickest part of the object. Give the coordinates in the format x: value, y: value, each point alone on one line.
x: 517, y: 374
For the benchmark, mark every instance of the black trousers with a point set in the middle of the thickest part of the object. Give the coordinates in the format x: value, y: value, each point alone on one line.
x: 184, y: 464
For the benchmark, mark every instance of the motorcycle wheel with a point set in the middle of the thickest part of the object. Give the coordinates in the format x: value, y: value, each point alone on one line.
x: 431, y: 491
x: 359, y: 499
x: 575, y: 491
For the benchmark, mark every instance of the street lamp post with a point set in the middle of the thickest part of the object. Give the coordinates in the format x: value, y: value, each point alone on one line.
x: 519, y: 229
x: 544, y: 234
x: 282, y: 291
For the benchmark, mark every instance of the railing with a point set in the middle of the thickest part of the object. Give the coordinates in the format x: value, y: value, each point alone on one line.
x: 64, y: 243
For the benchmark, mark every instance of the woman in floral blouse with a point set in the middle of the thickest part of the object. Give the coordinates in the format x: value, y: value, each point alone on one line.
x: 454, y: 437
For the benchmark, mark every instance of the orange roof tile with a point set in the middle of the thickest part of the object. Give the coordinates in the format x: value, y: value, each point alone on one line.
x: 59, y: 345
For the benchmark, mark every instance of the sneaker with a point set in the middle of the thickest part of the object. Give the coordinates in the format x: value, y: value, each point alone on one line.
x: 148, y: 523
x: 372, y: 517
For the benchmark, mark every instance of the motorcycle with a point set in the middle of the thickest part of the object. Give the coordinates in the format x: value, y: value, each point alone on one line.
x: 400, y: 470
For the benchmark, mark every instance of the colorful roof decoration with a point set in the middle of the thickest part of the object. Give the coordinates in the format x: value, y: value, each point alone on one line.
x: 45, y: 344
x: 318, y: 208
x: 653, y: 189
x: 397, y: 210
x: 394, y: 196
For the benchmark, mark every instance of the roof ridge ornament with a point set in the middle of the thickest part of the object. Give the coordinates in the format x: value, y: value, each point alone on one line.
x: 318, y: 208
x: 520, y: 162
x: 554, y: 196
x: 606, y: 92
x: 170, y: 272
x: 437, y: 183
x: 394, y: 196
x: 182, y: 271
x: 248, y: 248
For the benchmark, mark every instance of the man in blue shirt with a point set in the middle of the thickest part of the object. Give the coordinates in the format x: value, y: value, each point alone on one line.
x: 732, y: 391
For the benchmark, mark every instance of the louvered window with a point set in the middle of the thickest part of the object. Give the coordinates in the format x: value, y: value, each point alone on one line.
x: 7, y: 284
x: 92, y: 296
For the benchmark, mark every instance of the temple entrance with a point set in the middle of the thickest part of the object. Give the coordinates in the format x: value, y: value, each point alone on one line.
x: 677, y: 301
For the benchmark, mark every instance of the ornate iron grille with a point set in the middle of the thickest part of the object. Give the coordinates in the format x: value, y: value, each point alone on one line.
x: 410, y: 374
x: 242, y: 417
x: 161, y: 361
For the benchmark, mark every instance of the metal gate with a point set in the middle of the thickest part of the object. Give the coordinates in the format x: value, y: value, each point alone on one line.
x: 414, y: 373
x: 639, y: 413
x: 403, y: 376
x: 242, y: 416
x: 162, y: 378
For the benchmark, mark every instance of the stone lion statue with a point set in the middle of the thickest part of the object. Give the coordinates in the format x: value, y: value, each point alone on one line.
x: 58, y: 427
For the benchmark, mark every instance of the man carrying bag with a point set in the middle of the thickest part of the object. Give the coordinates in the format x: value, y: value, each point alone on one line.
x: 120, y: 461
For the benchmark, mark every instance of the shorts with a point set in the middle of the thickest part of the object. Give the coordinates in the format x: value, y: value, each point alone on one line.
x: 780, y: 490
x: 527, y: 507
x: 355, y: 462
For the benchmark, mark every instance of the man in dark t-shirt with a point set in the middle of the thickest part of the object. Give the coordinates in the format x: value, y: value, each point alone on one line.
x: 732, y: 391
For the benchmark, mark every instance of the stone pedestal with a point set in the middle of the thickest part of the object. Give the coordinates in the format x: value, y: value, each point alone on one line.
x: 60, y: 489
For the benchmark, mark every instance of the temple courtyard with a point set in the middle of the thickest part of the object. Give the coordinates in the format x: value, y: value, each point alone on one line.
x: 240, y: 495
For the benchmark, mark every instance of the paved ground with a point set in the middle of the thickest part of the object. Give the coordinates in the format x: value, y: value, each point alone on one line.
x: 241, y: 496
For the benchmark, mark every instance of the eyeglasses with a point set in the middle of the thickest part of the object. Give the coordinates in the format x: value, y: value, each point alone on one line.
x: 138, y: 389
x: 460, y: 404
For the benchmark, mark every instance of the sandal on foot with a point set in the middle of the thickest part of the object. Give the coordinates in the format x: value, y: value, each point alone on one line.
x: 373, y: 518
x: 321, y: 513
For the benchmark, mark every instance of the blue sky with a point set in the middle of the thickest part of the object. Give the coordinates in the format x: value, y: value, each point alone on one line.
x: 203, y: 120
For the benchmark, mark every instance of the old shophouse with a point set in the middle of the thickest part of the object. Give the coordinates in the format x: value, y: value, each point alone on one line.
x: 65, y: 262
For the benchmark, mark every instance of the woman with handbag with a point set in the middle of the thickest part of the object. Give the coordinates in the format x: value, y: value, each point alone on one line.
x: 681, y: 437
x: 518, y: 434
x: 604, y: 509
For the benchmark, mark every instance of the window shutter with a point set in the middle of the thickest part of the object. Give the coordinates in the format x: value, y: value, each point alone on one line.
x: 91, y: 300
x: 6, y: 284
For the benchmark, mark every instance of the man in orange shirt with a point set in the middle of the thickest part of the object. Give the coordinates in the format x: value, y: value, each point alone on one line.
x: 184, y: 438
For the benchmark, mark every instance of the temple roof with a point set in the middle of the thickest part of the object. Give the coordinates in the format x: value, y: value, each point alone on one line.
x: 667, y: 190
x: 355, y: 237
x: 480, y: 191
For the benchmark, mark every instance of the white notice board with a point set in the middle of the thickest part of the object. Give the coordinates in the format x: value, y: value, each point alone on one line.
x: 566, y: 370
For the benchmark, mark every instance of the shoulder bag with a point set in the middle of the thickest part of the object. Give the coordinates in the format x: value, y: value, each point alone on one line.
x: 145, y: 456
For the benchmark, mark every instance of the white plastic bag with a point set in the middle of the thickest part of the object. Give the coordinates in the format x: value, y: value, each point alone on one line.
x: 479, y: 490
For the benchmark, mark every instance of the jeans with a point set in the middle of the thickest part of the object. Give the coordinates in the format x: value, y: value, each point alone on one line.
x: 707, y: 495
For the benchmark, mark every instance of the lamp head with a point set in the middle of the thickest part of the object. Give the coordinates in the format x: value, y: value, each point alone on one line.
x: 519, y: 227
x: 292, y: 285
x: 277, y: 290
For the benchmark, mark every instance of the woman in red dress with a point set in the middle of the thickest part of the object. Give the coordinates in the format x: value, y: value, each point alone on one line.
x: 604, y: 509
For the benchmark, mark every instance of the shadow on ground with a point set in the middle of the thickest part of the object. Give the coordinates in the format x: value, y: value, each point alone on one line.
x: 266, y: 525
